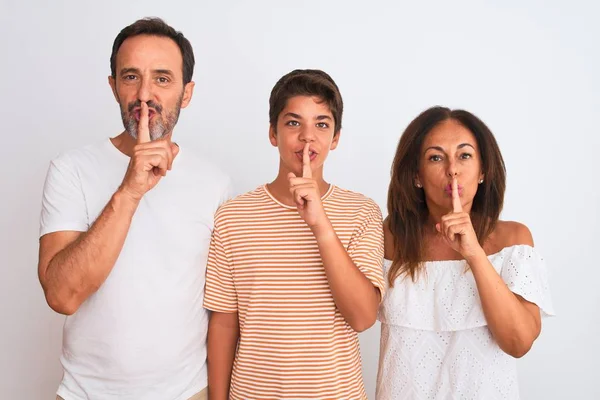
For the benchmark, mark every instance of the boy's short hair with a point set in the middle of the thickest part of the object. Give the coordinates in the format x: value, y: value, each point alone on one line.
x: 306, y: 82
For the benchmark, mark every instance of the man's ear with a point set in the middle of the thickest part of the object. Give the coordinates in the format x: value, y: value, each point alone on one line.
x: 273, y: 135
x: 113, y: 85
x: 188, y: 91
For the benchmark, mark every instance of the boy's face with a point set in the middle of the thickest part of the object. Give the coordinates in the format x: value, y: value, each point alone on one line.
x: 304, y: 119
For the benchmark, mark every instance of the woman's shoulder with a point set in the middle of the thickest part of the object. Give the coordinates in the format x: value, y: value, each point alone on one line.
x: 508, y: 234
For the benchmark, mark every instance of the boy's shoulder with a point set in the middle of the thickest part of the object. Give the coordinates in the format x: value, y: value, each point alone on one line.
x: 244, y: 202
x: 352, y: 199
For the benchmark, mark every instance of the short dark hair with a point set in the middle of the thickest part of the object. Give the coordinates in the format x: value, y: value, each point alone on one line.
x: 155, y: 27
x: 407, y: 210
x: 306, y: 82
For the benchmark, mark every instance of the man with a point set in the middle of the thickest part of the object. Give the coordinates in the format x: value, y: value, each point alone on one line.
x: 125, y: 229
x: 295, y: 266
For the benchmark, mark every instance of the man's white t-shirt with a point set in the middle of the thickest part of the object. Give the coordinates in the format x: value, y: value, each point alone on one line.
x: 142, y: 335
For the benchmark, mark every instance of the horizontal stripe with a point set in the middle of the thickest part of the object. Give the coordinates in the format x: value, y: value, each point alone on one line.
x: 264, y: 263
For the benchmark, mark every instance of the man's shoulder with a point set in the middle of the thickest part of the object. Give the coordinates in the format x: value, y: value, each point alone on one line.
x: 202, y: 167
x: 77, y: 156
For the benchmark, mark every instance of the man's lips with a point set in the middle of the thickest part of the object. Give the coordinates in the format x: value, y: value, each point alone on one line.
x: 137, y: 113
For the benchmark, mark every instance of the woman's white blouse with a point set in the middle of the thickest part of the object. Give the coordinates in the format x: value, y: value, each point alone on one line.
x: 435, y: 343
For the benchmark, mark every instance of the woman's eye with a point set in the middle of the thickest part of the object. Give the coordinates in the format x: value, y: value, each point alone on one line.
x: 466, y: 156
x: 435, y: 158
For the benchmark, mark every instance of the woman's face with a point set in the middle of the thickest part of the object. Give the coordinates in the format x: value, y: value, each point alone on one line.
x: 449, y: 151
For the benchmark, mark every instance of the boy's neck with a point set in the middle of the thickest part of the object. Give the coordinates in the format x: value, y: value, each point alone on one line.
x: 280, y: 187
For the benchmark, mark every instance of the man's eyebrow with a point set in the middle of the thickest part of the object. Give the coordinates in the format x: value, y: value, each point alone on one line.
x: 163, y: 71
x: 129, y: 70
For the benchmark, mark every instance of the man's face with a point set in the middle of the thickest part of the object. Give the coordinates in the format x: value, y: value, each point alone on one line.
x: 150, y: 69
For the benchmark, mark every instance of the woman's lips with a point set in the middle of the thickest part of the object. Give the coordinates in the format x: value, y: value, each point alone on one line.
x: 448, y: 190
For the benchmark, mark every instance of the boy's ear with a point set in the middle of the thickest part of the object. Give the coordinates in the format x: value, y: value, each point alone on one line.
x: 272, y: 135
x: 335, y: 140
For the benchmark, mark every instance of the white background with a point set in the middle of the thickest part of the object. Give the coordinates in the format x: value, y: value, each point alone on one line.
x: 528, y: 69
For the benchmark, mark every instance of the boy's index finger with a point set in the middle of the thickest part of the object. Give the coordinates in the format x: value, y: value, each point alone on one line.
x: 143, y: 130
x: 306, y: 171
x: 456, y: 206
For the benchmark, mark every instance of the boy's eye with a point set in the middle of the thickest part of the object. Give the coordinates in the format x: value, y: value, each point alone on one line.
x: 323, y: 125
x: 292, y: 123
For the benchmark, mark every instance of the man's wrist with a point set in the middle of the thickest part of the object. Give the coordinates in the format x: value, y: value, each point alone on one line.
x: 123, y: 199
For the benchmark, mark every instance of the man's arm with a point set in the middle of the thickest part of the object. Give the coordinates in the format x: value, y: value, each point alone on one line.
x: 223, y: 335
x: 73, y: 265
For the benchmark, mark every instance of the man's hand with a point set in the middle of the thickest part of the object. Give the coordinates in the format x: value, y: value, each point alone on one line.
x: 150, y: 161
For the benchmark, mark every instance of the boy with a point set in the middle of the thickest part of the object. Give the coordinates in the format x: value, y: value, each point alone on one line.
x: 294, y: 268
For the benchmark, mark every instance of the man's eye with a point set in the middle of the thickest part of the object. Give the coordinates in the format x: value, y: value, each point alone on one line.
x: 162, y: 79
x: 129, y: 77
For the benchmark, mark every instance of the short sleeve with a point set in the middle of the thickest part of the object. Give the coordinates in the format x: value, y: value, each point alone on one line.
x: 63, y: 200
x: 366, y: 246
x: 525, y: 273
x: 227, y: 192
x: 220, y: 294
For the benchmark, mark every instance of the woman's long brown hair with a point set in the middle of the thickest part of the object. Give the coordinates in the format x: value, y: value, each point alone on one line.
x: 407, y: 210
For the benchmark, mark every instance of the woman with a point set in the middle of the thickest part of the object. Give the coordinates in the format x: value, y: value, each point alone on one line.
x: 466, y: 290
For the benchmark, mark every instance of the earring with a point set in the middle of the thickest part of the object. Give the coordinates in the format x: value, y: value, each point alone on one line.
x: 480, y: 181
x: 418, y: 185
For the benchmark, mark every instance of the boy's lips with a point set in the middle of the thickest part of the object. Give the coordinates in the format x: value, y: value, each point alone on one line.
x: 311, y: 154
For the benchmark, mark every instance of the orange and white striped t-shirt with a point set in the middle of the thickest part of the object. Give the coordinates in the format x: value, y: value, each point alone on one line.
x: 264, y: 263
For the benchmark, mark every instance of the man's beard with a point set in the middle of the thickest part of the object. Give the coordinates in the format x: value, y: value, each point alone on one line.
x: 158, y: 126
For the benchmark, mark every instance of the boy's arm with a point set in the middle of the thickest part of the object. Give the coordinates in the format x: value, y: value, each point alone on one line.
x: 355, y: 295
x: 223, y: 335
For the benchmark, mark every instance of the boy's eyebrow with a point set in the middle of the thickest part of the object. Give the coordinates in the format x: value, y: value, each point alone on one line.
x: 293, y: 115
x: 322, y: 117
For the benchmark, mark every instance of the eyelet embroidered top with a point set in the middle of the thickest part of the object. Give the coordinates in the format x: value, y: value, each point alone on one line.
x: 435, y: 343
